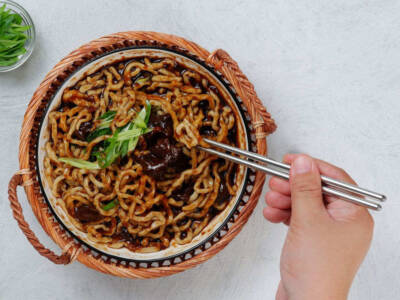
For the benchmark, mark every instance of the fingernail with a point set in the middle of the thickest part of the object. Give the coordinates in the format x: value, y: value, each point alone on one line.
x: 301, y: 165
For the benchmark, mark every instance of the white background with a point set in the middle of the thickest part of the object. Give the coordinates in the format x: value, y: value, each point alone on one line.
x: 328, y: 71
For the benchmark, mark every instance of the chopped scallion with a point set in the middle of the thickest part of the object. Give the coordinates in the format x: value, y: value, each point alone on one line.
x: 110, y: 204
x: 80, y: 163
x: 12, y: 37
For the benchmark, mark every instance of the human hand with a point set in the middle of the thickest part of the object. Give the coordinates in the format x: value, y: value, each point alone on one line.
x: 327, y: 239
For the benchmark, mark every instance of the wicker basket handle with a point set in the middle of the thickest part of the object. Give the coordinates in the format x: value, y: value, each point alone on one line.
x: 66, y: 257
x: 263, y: 123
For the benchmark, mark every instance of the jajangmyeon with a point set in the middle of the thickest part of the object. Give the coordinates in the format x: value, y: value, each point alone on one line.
x: 121, y: 154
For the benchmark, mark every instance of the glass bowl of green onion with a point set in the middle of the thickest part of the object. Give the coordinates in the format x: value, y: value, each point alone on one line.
x: 17, y: 35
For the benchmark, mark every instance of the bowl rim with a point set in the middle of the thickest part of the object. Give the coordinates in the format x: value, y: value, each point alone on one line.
x: 242, y: 114
x: 31, y: 40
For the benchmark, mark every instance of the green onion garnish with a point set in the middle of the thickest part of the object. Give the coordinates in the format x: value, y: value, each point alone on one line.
x: 80, y: 163
x: 109, y: 115
x: 110, y: 204
x: 98, y: 132
x: 123, y: 141
x: 106, y: 119
x: 104, y: 127
x: 12, y: 37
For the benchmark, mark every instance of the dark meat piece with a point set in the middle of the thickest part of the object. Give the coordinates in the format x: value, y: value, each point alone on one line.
x: 182, y: 221
x: 232, y: 135
x: 123, y: 161
x: 181, y: 163
x: 165, y: 149
x: 232, y: 175
x: 65, y: 106
x: 184, y: 192
x: 175, y: 210
x: 207, y: 131
x: 83, y: 131
x: 214, y: 89
x: 164, y: 155
x: 203, y: 105
x: 153, y: 166
x: 86, y: 213
x: 142, y: 144
x: 151, y: 137
x: 223, y: 193
x: 163, y: 121
x: 124, y: 235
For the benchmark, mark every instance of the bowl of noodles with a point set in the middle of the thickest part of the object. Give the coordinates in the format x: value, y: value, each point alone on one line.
x: 110, y: 161
x: 117, y: 157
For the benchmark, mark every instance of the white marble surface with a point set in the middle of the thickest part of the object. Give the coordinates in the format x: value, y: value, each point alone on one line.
x: 329, y: 73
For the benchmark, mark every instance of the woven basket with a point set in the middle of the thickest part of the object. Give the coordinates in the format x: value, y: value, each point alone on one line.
x: 261, y: 125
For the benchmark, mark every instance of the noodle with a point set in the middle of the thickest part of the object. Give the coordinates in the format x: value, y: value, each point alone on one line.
x: 163, y: 190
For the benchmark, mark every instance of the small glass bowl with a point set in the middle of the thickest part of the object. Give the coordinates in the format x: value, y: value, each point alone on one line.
x: 30, y: 41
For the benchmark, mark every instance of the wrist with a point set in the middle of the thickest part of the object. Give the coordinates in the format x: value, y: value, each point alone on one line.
x: 328, y: 292
x: 320, y: 295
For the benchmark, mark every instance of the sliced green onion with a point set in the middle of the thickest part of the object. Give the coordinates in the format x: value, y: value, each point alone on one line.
x: 106, y: 119
x: 110, y: 204
x: 80, y: 163
x: 132, y: 144
x: 148, y: 111
x: 11, y: 54
x: 12, y: 37
x: 142, y: 81
x: 111, y: 152
x: 129, y: 134
x: 98, y: 132
x: 123, y: 141
x: 108, y: 115
x: 104, y: 125
x: 143, y: 117
x: 124, y: 148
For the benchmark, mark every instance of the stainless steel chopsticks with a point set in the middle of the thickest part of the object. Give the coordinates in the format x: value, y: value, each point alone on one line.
x: 329, y: 184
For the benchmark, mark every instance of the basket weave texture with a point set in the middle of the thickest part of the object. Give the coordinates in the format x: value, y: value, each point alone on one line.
x: 261, y: 121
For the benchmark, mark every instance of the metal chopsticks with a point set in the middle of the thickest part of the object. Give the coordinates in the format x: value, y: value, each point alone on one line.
x: 330, y: 186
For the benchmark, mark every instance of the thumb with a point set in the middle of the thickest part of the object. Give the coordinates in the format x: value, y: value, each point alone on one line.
x: 305, y: 187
